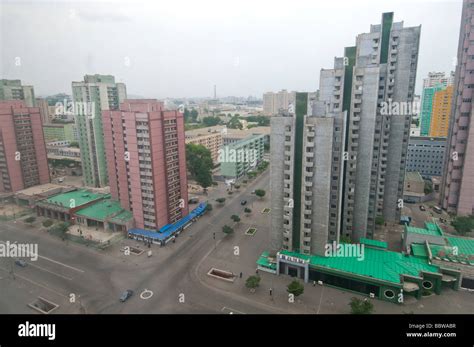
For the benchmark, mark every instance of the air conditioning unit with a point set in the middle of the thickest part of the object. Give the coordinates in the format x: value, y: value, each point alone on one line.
x: 372, y: 295
x: 320, y: 283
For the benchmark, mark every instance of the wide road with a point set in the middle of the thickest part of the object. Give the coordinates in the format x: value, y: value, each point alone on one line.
x: 65, y: 270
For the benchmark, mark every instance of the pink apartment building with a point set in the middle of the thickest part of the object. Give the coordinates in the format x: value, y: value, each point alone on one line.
x: 146, y: 161
x: 457, y: 192
x: 23, y: 160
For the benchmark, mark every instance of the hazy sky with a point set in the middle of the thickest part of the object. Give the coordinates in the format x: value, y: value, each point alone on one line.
x: 182, y: 48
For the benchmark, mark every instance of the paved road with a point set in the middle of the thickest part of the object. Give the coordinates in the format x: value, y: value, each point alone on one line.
x: 98, y: 279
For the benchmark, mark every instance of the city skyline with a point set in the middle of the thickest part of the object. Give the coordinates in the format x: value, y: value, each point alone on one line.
x: 251, y: 61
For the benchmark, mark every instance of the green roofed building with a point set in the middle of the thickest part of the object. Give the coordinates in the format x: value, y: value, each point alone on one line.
x: 380, y: 273
x: 238, y: 158
x: 448, y: 251
x: 86, y: 208
x: 106, y: 214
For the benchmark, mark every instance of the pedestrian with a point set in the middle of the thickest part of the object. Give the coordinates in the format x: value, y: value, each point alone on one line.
x: 256, y: 271
x: 271, y: 291
x: 314, y: 283
x: 241, y: 275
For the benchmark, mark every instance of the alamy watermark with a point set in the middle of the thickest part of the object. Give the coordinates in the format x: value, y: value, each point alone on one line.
x: 345, y: 250
x: 229, y: 155
x: 19, y: 250
x: 76, y: 108
x: 399, y: 108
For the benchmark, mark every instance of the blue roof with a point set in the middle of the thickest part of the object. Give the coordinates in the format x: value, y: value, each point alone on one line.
x: 170, y: 229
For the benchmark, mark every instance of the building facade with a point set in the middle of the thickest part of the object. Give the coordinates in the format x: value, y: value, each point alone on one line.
x: 146, y: 161
x: 60, y: 132
x: 23, y: 161
x: 212, y: 141
x: 238, y: 158
x: 442, y: 101
x: 14, y: 90
x: 426, y: 156
x: 437, y: 93
x: 458, y: 185
x: 97, y: 93
x: 306, y: 184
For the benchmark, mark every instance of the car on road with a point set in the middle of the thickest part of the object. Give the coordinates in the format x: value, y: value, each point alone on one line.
x: 193, y: 201
x: 252, y: 192
x: 126, y: 295
x: 409, y: 201
x: 20, y: 262
x: 243, y: 202
x: 422, y: 208
x: 437, y: 209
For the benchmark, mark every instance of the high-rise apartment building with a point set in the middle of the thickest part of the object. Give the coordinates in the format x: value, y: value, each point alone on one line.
x: 146, y: 161
x: 441, y: 111
x: 457, y: 191
x: 23, y: 161
x: 436, y: 82
x: 14, y: 90
x: 435, y: 78
x: 306, y: 163
x: 97, y: 93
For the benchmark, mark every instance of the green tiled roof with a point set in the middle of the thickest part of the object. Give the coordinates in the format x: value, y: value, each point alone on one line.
x: 263, y: 261
x: 373, y: 243
x: 122, y: 217
x: 74, y: 198
x: 463, y: 253
x: 432, y: 229
x: 101, y: 210
x: 377, y: 264
x: 419, y: 250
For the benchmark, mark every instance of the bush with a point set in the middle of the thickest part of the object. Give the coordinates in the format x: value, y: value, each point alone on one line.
x: 227, y: 230
x: 252, y: 282
x: 208, y: 207
x: 295, y: 288
x: 30, y: 220
x: 47, y: 223
x: 359, y: 306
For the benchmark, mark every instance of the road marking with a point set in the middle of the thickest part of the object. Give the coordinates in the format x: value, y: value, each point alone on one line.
x: 51, y: 272
x: 146, y: 294
x: 231, y: 310
x: 35, y: 283
x: 59, y: 263
x: 54, y: 261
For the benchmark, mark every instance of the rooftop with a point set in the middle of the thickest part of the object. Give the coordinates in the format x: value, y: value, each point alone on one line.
x: 377, y: 264
x: 102, y: 210
x: 38, y: 190
x: 73, y: 198
x: 432, y: 229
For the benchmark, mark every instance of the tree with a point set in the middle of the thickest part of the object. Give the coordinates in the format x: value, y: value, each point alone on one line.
x: 260, y: 193
x: 211, y: 121
x: 199, y: 164
x: 30, y: 220
x: 295, y: 288
x: 252, y: 283
x: 227, y: 230
x: 237, y: 186
x: 379, y: 220
x: 248, y: 211
x: 345, y: 239
x: 208, y: 207
x: 74, y: 144
x: 463, y: 224
x: 190, y: 116
x: 60, y: 229
x: 359, y: 306
x: 235, y: 218
x: 221, y: 201
x: 47, y: 223
x: 234, y: 123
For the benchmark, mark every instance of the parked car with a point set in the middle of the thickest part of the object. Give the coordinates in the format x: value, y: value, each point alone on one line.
x: 243, y: 202
x: 126, y: 295
x: 409, y: 201
x: 21, y: 263
x: 437, y: 209
x: 252, y: 192
x: 422, y: 208
x: 193, y: 201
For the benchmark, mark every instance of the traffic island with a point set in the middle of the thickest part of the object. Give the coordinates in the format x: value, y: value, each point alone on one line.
x: 251, y: 231
x: 221, y: 274
x: 43, y: 306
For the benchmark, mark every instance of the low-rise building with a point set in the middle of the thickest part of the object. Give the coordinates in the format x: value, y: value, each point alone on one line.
x: 414, y: 187
x: 211, y: 140
x: 426, y: 155
x: 242, y: 156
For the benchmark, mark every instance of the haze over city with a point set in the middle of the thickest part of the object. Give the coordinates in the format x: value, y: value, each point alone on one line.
x: 184, y: 48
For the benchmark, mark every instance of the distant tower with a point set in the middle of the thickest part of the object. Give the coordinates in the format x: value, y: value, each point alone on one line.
x: 215, y: 92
